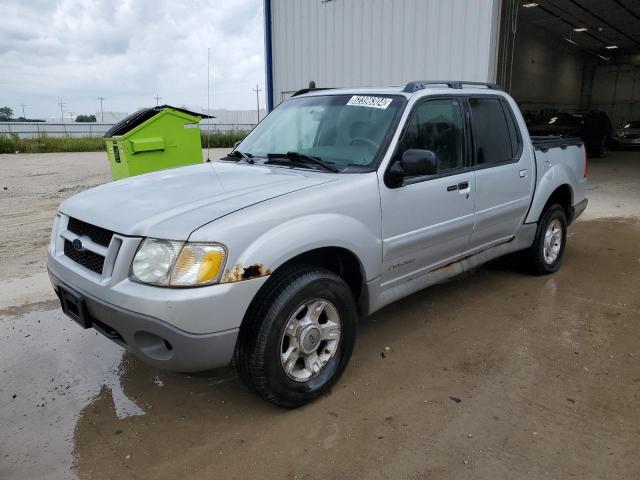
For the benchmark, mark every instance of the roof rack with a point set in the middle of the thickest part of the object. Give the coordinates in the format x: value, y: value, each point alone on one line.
x: 307, y: 90
x: 413, y: 87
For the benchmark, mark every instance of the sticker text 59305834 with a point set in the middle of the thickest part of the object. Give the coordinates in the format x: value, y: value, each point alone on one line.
x: 368, y: 101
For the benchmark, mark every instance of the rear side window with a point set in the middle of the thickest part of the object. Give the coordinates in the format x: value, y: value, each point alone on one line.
x: 495, y: 136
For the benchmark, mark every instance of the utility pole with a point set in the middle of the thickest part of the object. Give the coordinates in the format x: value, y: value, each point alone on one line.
x: 258, y: 90
x: 101, y: 110
x: 62, y: 104
x: 158, y: 98
x: 23, y: 114
x: 71, y: 118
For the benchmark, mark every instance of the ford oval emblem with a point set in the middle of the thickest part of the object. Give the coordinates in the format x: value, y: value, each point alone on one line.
x: 77, y: 245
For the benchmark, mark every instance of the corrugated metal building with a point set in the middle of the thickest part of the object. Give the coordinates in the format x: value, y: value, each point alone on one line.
x: 549, y: 54
x: 377, y: 42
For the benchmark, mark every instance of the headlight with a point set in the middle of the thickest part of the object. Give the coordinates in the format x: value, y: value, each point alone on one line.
x: 180, y: 264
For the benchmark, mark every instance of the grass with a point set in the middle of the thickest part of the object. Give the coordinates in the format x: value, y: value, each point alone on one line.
x: 222, y: 139
x: 43, y: 144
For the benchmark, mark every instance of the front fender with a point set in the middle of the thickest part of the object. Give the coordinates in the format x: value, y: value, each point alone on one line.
x: 289, y: 239
x: 553, y: 178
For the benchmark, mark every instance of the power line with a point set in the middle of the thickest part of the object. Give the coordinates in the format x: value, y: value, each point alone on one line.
x: 257, y: 90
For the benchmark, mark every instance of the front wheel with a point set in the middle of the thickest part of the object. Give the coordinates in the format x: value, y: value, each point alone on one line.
x: 298, y: 336
x: 545, y: 255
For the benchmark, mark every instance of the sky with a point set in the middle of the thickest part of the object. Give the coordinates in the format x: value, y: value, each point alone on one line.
x: 128, y: 51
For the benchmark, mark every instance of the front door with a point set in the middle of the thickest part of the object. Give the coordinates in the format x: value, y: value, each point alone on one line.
x: 427, y: 220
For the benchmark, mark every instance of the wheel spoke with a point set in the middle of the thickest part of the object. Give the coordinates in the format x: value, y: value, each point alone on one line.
x: 315, y: 310
x: 330, y: 331
x: 290, y: 357
x: 312, y: 363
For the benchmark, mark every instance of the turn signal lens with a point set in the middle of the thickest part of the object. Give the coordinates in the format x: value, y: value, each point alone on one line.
x: 198, y: 264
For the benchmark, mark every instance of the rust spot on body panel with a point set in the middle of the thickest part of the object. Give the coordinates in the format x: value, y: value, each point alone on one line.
x: 239, y: 273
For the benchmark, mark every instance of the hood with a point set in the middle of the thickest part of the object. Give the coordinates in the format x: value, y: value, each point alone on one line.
x: 171, y: 204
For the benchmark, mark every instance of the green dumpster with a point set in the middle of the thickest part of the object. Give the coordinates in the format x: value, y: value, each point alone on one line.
x: 154, y: 139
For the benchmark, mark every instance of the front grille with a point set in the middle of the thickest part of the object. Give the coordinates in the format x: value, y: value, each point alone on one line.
x: 87, y: 259
x: 99, y: 235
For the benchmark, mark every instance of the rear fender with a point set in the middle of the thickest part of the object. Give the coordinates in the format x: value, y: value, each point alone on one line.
x: 553, y: 178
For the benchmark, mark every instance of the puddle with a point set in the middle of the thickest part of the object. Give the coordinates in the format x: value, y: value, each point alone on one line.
x: 51, y: 369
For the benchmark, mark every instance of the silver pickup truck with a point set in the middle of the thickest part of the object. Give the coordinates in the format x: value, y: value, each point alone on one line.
x: 340, y: 202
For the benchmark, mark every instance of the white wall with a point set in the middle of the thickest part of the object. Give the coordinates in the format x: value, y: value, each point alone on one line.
x: 343, y: 43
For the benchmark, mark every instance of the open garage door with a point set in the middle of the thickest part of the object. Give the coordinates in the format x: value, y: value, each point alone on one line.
x: 573, y: 65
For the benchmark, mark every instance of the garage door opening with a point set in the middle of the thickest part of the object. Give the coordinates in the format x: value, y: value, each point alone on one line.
x: 573, y: 66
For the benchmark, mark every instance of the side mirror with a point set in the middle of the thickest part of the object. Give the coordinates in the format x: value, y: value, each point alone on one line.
x: 419, y: 162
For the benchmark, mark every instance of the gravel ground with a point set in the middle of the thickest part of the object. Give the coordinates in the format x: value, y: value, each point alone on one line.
x: 493, y: 375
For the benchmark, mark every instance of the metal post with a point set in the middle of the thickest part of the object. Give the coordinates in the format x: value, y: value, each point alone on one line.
x: 101, y: 110
x: 258, y: 90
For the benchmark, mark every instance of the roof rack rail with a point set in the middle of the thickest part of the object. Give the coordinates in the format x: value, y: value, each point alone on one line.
x: 412, y: 87
x: 307, y: 90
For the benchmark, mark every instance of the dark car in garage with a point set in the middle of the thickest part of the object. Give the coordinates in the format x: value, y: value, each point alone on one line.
x: 593, y: 127
x: 627, y: 136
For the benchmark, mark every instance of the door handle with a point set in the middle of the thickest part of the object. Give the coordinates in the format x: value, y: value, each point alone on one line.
x: 463, y: 185
x: 523, y: 173
x: 452, y: 188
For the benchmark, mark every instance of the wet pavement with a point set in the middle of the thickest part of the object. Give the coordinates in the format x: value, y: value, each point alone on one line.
x: 495, y: 374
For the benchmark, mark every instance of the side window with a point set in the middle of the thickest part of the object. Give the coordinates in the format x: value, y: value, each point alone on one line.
x: 514, y: 133
x: 437, y: 125
x: 491, y: 131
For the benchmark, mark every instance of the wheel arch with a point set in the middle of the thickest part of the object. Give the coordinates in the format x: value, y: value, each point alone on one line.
x: 549, y: 193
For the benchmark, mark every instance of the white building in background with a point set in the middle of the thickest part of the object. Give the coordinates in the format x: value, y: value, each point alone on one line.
x: 110, y: 117
x: 357, y: 43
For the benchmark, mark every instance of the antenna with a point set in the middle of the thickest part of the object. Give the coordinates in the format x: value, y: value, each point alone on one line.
x: 257, y: 90
x: 62, y: 104
x: 101, y: 110
x: 208, y: 102
x: 158, y: 98
x: 23, y: 114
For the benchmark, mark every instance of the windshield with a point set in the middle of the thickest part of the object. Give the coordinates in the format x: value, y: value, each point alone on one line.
x: 345, y: 130
x: 630, y: 125
x: 564, y: 120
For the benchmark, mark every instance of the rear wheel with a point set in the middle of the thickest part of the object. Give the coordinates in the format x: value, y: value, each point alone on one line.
x: 298, y: 336
x: 545, y: 255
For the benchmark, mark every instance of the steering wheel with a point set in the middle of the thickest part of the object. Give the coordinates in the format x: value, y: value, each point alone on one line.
x: 364, y: 140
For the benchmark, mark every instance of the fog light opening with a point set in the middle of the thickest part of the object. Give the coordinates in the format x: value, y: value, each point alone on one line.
x: 153, y: 346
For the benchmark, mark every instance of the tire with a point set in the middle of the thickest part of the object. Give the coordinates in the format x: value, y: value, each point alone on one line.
x: 280, y: 321
x: 539, y: 258
x: 601, y: 150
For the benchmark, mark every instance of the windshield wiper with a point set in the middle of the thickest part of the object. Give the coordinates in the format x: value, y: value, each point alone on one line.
x: 240, y: 156
x: 297, y: 157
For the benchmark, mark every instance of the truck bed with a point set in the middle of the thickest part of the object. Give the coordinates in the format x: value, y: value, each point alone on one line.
x: 545, y: 142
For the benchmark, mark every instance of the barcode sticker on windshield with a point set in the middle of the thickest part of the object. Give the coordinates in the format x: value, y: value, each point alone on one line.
x: 367, y: 101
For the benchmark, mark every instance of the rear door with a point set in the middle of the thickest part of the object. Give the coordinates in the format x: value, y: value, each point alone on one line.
x: 505, y: 171
x: 427, y: 221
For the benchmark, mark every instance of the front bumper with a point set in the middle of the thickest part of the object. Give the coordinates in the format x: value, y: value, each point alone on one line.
x: 154, y: 341
x: 200, y: 324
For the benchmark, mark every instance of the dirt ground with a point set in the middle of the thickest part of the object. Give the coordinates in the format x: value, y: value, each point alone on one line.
x: 495, y: 375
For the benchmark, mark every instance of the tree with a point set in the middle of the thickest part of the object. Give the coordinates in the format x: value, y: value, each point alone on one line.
x: 86, y: 118
x: 6, y: 114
